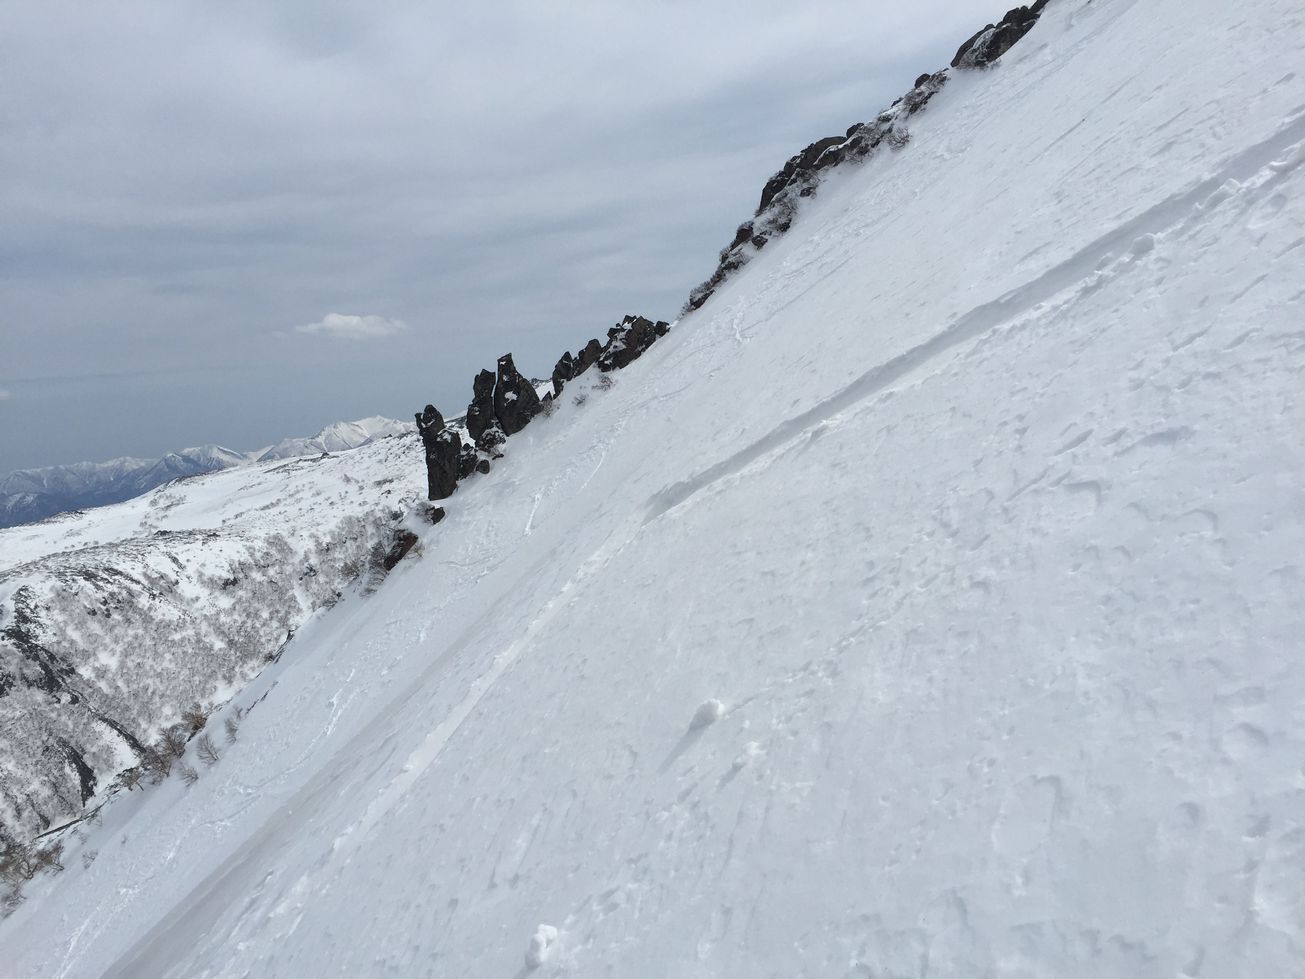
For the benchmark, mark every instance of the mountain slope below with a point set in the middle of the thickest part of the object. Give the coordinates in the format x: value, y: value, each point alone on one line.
x: 115, y: 621
x: 928, y: 603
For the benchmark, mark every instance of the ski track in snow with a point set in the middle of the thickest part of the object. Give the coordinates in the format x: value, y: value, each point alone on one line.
x: 1086, y: 269
x: 981, y: 657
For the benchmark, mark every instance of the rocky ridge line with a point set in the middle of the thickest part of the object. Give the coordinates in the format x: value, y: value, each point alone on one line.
x: 505, y: 402
x: 799, y: 177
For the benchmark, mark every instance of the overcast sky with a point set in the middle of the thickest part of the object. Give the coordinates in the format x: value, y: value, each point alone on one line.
x: 232, y: 222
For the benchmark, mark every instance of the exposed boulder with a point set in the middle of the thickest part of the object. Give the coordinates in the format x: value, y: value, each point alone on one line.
x: 443, y: 451
x: 402, y: 542
x: 798, y: 164
x: 627, y: 341
x: 587, y: 357
x: 515, y: 400
x: 468, y: 461
x: 993, y: 41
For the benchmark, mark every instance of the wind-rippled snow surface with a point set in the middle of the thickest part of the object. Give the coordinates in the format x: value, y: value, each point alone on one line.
x: 973, y: 507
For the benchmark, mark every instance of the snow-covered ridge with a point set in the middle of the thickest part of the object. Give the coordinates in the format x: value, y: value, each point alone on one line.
x: 115, y: 620
x: 28, y: 495
x: 336, y: 438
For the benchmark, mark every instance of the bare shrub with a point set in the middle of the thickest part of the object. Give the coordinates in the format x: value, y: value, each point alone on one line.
x: 188, y: 773
x: 207, y: 750
x: 50, y: 858
x: 88, y: 858
x: 21, y: 862
x: 156, y: 764
x: 232, y: 726
x: 579, y: 400
x: 194, y: 718
x: 130, y: 778
x: 605, y: 381
x: 548, y: 408
x: 173, y: 741
x: 17, y: 864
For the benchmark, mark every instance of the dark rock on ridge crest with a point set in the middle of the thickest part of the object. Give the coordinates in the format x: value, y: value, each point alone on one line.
x: 505, y: 402
x: 515, y: 399
x: 993, y: 41
x: 443, y: 453
x: 627, y: 341
x: 800, y: 176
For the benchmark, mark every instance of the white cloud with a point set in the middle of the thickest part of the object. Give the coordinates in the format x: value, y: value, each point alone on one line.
x: 5, y: 395
x: 349, y: 326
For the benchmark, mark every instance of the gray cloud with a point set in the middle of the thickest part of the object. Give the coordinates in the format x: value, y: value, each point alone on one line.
x: 182, y: 184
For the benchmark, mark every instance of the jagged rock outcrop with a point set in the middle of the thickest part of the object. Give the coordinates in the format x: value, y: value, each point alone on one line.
x: 482, y: 426
x: 989, y: 44
x: 563, y: 371
x: 505, y: 402
x: 444, y: 453
x: 799, y: 177
x: 587, y: 357
x: 627, y: 341
x: 515, y: 399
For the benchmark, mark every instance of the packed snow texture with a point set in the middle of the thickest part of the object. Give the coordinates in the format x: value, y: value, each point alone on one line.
x: 977, y: 498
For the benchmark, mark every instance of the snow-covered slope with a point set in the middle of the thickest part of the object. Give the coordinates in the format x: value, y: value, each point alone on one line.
x: 928, y: 603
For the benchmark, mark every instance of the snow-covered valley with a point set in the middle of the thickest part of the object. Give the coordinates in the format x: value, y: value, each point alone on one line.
x: 928, y: 603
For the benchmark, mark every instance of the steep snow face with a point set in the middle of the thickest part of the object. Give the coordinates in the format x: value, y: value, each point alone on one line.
x: 929, y: 603
x: 114, y: 621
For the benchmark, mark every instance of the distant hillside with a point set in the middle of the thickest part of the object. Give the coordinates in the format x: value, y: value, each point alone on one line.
x: 28, y: 495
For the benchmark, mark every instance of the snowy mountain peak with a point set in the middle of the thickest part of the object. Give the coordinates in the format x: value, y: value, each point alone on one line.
x: 337, y: 438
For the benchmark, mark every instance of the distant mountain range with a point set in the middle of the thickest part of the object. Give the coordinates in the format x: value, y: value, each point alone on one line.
x: 28, y: 495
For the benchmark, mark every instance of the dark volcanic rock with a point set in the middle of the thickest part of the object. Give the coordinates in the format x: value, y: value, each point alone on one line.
x: 443, y: 451
x: 993, y: 41
x: 587, y: 357
x: 797, y: 165
x: 401, y: 544
x: 563, y: 371
x: 515, y: 400
x: 627, y: 341
x: 481, y: 424
x: 468, y: 460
